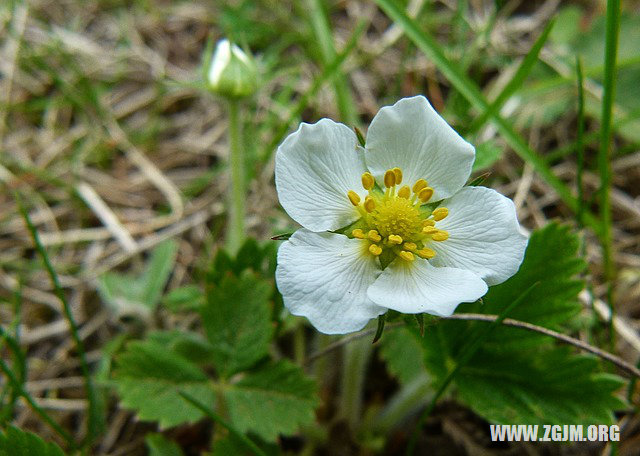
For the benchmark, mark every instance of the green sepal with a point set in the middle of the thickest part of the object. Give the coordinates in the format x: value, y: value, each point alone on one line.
x: 380, y: 329
x: 360, y: 136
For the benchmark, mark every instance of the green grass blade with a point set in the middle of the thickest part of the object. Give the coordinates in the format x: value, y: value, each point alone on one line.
x: 36, y: 408
x: 329, y: 72
x: 19, y: 366
x: 558, y: 154
x: 214, y: 416
x: 322, y: 31
x: 467, y: 353
x: 604, y: 162
x: 516, y: 81
x: 473, y: 94
x: 580, y: 140
x: 94, y: 413
x: 19, y: 359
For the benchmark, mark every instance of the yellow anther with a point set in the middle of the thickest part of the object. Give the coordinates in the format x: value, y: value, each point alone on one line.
x: 358, y: 233
x: 374, y: 236
x: 429, y: 230
x: 375, y: 250
x: 398, y: 173
x: 419, y: 185
x: 389, y: 178
x: 426, y: 253
x: 440, y: 236
x: 440, y: 213
x: 353, y: 197
x: 369, y: 204
x: 368, y: 181
x: 395, y: 239
x: 428, y: 223
x: 410, y: 246
x: 425, y: 194
x: 407, y: 256
x: 404, y: 192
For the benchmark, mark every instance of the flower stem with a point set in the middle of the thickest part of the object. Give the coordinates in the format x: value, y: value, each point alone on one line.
x: 356, y: 359
x: 235, y: 222
x: 412, y: 397
x: 604, y: 154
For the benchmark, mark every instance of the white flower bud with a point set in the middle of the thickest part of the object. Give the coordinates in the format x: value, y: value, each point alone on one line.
x: 232, y: 72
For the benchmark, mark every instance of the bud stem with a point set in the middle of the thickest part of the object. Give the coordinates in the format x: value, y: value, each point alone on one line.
x: 235, y: 222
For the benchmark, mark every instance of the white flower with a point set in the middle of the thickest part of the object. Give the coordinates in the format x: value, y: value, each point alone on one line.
x: 370, y: 243
x: 232, y: 73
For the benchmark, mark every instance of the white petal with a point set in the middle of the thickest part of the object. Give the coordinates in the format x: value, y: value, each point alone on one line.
x: 315, y: 168
x: 418, y: 287
x: 412, y: 136
x: 324, y: 277
x: 484, y: 235
x: 219, y: 61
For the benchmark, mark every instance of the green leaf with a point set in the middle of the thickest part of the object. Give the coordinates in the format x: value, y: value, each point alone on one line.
x: 230, y: 445
x: 186, y: 298
x: 551, y: 386
x: 276, y: 399
x: 236, y: 321
x: 251, y: 256
x: 403, y: 354
x: 191, y: 346
x: 522, y: 377
x: 16, y: 442
x: 159, y: 445
x: 131, y: 295
x: 222, y: 265
x: 552, y: 260
x: 148, y: 377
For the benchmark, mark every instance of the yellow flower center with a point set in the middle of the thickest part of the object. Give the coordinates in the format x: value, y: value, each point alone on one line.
x: 396, y: 216
x: 394, y: 222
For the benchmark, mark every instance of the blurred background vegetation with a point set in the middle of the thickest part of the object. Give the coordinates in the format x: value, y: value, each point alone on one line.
x: 119, y: 152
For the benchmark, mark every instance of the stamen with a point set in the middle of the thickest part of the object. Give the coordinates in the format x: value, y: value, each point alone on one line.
x: 369, y: 204
x: 389, y: 178
x: 407, y: 256
x: 375, y: 250
x: 357, y: 233
x: 395, y: 239
x: 398, y: 173
x: 392, y: 221
x: 426, y: 253
x: 353, y: 197
x: 429, y: 230
x: 374, y: 236
x: 425, y: 194
x: 440, y: 213
x: 419, y: 185
x: 368, y: 181
x: 404, y: 192
x: 441, y: 235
